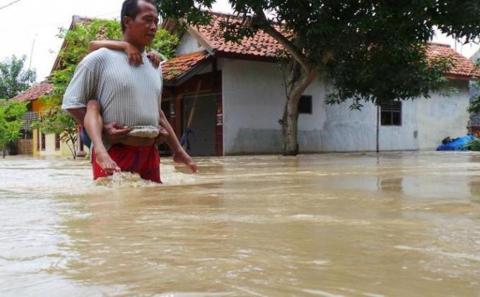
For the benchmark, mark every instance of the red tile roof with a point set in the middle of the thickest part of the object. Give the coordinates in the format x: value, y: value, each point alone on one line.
x: 462, y: 67
x: 260, y: 45
x: 34, y: 92
x: 263, y: 45
x: 176, y: 67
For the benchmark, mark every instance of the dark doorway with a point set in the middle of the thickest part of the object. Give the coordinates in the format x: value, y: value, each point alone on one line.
x: 199, y: 115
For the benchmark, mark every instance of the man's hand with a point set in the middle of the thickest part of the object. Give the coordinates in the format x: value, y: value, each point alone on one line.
x: 154, y: 58
x: 182, y: 157
x: 115, y: 132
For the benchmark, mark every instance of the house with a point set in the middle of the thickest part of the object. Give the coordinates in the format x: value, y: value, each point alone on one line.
x: 34, y: 142
x: 225, y: 98
x: 231, y: 96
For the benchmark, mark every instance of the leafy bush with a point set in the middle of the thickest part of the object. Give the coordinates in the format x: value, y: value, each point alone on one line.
x: 11, y: 121
x: 474, y: 145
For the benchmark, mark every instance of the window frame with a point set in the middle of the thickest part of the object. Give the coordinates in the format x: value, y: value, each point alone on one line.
x: 391, y: 109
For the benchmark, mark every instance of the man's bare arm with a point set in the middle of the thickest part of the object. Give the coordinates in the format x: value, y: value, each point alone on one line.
x: 172, y: 139
x: 113, y: 130
x: 179, y: 154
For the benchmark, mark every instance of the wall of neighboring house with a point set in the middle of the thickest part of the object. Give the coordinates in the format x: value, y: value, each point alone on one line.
x: 49, y: 147
x: 253, y: 98
x: 443, y: 115
x: 424, y: 123
x: 188, y: 44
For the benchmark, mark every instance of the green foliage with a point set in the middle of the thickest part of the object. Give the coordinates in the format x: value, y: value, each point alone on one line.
x: 76, y: 47
x: 164, y: 43
x: 474, y: 106
x: 11, y: 120
x: 370, y: 50
x: 55, y: 121
x: 13, y: 79
x: 474, y: 145
x: 402, y: 75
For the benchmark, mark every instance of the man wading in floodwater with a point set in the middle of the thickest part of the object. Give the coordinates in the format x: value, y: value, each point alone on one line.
x: 129, y: 98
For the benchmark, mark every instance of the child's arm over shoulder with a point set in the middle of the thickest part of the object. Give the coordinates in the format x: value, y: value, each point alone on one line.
x: 133, y: 54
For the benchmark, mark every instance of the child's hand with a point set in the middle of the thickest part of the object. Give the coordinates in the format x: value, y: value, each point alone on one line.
x: 154, y: 58
x: 134, y: 55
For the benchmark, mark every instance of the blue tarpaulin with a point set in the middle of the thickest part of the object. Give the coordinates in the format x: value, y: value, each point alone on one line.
x: 456, y: 144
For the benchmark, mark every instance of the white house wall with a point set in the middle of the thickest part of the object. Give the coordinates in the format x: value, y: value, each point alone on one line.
x: 188, y: 44
x: 253, y: 99
x: 443, y: 115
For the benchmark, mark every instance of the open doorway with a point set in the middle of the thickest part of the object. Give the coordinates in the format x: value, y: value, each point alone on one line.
x: 199, y: 119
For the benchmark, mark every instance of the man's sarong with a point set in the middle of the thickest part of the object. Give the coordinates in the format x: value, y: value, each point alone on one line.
x: 143, y: 160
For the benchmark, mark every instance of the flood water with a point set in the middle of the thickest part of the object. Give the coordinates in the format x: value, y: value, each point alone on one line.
x: 401, y: 224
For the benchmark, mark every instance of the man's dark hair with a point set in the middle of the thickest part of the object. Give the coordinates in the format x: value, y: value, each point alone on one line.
x: 130, y: 9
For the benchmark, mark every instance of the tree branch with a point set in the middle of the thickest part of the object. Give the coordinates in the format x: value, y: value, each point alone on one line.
x: 289, y: 46
x: 9, y: 4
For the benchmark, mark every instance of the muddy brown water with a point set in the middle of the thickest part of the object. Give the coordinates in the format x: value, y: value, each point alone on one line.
x: 398, y: 224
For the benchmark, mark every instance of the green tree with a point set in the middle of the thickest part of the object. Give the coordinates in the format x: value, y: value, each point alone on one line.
x: 13, y: 78
x: 55, y: 120
x: 371, y: 51
x: 11, y: 121
x: 474, y: 107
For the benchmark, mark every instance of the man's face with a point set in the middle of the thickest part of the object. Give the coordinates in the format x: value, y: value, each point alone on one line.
x: 144, y: 26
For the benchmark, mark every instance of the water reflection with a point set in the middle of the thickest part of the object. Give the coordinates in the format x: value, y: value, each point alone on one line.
x: 393, y: 184
x: 401, y: 224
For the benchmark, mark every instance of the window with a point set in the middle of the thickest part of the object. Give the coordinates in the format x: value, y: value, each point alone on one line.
x: 305, y: 105
x: 57, y: 142
x: 391, y: 114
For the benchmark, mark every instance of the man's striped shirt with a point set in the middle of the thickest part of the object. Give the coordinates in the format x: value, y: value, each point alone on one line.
x: 128, y: 95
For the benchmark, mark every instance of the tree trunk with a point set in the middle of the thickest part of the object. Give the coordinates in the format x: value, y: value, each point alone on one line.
x: 378, y: 129
x: 70, y: 141
x: 73, y: 149
x: 290, y: 128
x: 290, y: 114
x: 4, y: 152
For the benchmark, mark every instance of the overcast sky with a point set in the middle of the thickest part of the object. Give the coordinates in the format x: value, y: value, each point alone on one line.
x: 31, y: 26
